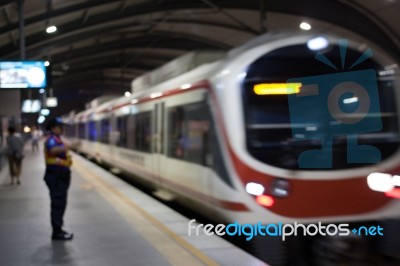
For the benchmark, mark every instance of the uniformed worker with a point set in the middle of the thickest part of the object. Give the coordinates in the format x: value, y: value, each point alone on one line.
x: 57, y: 177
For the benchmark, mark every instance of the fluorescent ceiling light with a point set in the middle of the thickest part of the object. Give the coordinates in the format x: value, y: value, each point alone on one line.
x: 305, y: 26
x: 41, y: 119
x: 51, y: 29
x: 45, y: 112
x: 51, y: 102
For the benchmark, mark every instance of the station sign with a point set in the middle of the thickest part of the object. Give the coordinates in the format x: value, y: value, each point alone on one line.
x: 23, y: 74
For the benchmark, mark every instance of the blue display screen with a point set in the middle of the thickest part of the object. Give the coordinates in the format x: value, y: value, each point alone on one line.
x: 23, y: 74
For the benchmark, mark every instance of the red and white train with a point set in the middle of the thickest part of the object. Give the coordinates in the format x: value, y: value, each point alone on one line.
x: 198, y: 130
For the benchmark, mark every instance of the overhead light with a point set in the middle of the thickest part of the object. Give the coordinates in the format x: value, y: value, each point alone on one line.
x: 127, y: 94
x: 51, y: 29
x: 51, y: 102
x: 317, y: 43
x: 31, y: 106
x: 45, y: 112
x: 27, y: 129
x: 305, y: 26
x: 41, y: 119
x: 46, y: 63
x: 41, y: 91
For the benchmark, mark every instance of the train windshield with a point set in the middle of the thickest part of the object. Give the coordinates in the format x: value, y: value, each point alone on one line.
x: 334, y: 113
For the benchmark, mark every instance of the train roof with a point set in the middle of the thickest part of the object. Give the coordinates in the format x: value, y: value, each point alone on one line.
x: 100, y: 100
x: 176, y: 67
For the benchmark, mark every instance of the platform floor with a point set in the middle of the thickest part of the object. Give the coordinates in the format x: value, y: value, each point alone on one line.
x: 113, y: 222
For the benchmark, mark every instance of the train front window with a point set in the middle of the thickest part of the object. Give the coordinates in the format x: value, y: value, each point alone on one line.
x: 281, y: 125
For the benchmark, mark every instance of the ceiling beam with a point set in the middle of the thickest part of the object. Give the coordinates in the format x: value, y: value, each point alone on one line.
x: 6, y: 14
x: 123, y: 5
x: 76, y: 58
x: 85, y: 16
x: 38, y: 42
x: 325, y: 10
x: 239, y: 22
x: 53, y: 13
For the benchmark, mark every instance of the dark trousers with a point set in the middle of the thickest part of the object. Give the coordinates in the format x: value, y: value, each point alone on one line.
x: 15, y: 166
x: 35, y: 145
x: 58, y: 183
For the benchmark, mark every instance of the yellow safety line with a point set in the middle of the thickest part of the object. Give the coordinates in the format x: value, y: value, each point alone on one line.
x: 183, y: 243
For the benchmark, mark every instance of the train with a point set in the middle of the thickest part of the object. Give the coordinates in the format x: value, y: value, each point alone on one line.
x: 256, y: 134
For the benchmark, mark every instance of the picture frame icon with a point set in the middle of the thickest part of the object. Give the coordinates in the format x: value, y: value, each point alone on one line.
x: 334, y: 105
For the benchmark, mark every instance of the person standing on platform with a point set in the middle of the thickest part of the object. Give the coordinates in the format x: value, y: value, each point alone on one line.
x: 15, y: 147
x: 57, y: 177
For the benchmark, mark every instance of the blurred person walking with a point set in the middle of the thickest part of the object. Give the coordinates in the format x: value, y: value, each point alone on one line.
x: 15, y: 146
x: 36, y: 135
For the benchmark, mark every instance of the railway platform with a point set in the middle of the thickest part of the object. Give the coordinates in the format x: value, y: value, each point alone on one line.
x: 114, y: 224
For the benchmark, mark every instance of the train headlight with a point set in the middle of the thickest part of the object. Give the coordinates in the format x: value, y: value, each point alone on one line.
x: 280, y: 188
x: 254, y: 189
x: 396, y: 180
x: 380, y: 182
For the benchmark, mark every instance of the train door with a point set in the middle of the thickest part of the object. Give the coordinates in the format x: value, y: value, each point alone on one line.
x: 113, y: 137
x: 188, y: 144
x: 158, y: 140
x: 207, y: 130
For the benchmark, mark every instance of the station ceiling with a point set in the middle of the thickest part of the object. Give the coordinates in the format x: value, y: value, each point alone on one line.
x: 101, y: 45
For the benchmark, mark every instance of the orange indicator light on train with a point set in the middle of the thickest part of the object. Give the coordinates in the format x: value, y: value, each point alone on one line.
x: 277, y: 88
x: 265, y: 200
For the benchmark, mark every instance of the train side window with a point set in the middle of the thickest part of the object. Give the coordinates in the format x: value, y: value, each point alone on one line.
x: 92, y: 131
x: 130, y: 131
x: 122, y: 131
x: 105, y: 129
x: 82, y: 130
x: 141, y: 128
x: 188, y: 133
x: 98, y: 129
x: 72, y: 131
x: 68, y: 130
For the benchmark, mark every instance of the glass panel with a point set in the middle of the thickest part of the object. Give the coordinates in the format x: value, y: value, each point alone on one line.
x: 122, y: 131
x: 92, y: 131
x: 189, y: 127
x: 105, y: 129
x: 282, y: 126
